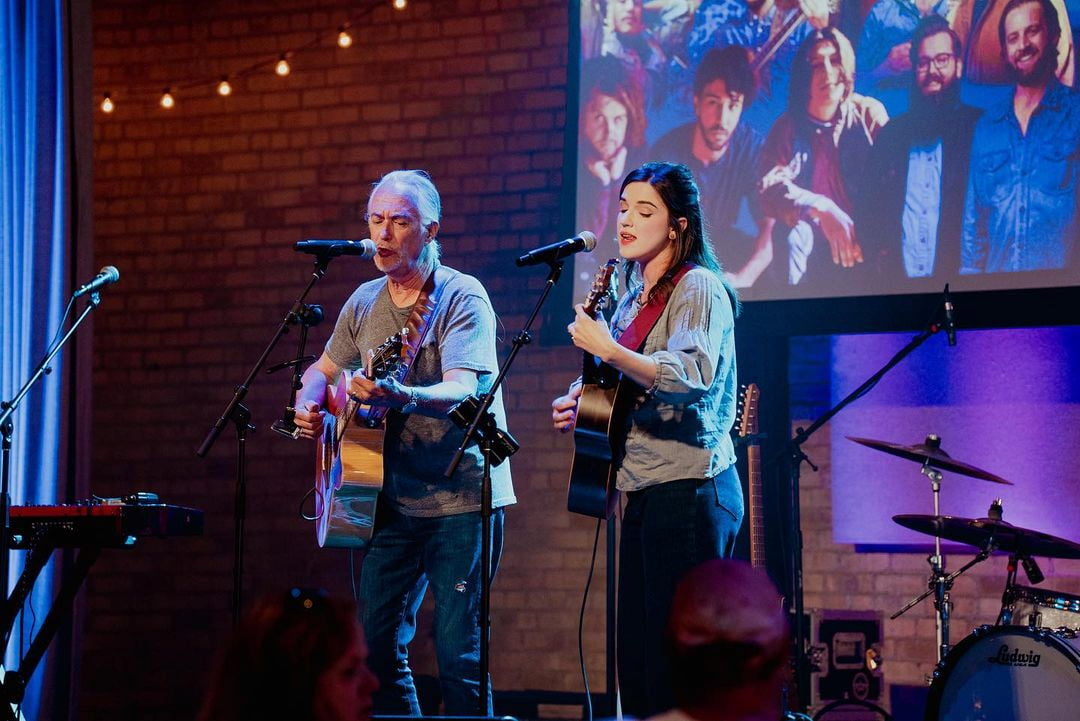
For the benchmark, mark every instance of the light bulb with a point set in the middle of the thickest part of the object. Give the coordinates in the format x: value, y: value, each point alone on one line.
x: 343, y: 38
x: 282, y: 68
x: 399, y: 4
x: 167, y: 100
x: 224, y: 88
x: 107, y: 104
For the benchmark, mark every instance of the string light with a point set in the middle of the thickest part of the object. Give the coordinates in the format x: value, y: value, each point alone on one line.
x: 282, y: 68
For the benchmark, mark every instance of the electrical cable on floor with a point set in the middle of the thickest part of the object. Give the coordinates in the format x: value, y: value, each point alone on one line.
x: 581, y: 623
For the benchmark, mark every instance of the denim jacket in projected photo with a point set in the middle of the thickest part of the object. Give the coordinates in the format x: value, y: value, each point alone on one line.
x: 1020, y: 212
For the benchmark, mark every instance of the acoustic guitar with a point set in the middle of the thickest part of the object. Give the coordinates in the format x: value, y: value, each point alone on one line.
x: 747, y: 424
x: 349, y: 456
x: 601, y: 415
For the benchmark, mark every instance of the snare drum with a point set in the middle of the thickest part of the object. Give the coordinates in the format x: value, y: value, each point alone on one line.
x: 1008, y: 673
x: 1027, y: 606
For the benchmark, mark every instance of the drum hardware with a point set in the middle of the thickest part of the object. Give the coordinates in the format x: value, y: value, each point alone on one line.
x: 934, y: 460
x: 993, y: 533
x: 939, y: 586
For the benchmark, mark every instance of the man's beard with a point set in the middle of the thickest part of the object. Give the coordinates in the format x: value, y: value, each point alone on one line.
x: 1040, y: 72
x: 934, y: 111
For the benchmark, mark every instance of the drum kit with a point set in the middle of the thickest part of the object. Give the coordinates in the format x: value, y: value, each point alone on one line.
x: 1026, y: 665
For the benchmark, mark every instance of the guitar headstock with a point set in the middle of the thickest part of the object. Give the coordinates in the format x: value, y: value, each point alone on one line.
x: 746, y: 420
x: 602, y: 289
x: 386, y: 359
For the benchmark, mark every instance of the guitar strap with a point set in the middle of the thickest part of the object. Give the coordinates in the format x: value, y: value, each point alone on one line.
x: 635, y: 334
x: 419, y: 321
x: 417, y: 324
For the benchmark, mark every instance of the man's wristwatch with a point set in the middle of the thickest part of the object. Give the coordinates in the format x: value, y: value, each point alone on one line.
x: 410, y: 405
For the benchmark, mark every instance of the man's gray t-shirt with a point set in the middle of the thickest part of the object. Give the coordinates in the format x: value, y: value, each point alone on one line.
x: 417, y: 449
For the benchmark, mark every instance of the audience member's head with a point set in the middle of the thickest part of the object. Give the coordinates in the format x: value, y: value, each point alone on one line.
x: 729, y: 642
x: 299, y: 656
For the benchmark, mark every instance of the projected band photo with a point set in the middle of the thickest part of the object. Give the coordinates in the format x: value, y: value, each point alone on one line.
x: 843, y: 147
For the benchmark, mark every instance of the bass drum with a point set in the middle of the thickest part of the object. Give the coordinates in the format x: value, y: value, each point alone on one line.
x: 1008, y: 673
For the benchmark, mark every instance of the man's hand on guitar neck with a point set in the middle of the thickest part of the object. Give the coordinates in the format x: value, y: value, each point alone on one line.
x: 564, y: 408
x: 382, y: 392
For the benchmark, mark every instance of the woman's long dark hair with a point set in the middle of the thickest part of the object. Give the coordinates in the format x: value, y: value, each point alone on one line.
x: 675, y: 185
x: 278, y: 651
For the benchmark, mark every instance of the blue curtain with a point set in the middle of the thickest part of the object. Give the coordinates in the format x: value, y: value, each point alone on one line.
x: 33, y: 265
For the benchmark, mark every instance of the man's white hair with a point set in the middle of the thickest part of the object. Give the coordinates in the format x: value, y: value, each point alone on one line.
x: 425, y: 196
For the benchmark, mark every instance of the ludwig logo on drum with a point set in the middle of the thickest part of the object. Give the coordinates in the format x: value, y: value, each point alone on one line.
x: 1014, y: 657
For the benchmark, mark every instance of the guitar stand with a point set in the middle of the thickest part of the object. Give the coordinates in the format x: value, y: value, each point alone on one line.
x: 481, y: 424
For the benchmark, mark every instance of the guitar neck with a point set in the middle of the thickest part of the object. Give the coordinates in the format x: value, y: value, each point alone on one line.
x: 755, y: 507
x: 764, y: 55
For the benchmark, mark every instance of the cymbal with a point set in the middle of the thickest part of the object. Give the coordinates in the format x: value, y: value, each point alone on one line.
x: 930, y: 453
x: 979, y: 531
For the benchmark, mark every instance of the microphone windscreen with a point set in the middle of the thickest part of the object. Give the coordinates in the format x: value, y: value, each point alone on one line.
x: 589, y: 238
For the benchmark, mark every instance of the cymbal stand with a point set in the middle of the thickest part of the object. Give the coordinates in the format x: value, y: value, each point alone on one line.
x: 937, y: 563
x: 940, y: 584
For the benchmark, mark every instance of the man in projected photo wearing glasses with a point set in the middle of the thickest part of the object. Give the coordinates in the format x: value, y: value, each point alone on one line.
x: 1020, y: 213
x: 920, y: 164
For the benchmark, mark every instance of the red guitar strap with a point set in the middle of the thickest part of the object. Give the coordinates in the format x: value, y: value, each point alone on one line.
x: 635, y: 334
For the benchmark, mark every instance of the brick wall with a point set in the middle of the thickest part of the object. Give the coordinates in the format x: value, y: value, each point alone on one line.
x: 199, y: 206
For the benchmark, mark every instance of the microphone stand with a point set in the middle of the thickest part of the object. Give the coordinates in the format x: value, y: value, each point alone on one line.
x: 473, y: 415
x: 239, y: 415
x: 795, y: 455
x: 310, y: 316
x: 7, y: 431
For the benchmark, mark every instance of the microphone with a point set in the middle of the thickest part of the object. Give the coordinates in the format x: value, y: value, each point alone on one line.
x: 108, y: 274
x: 950, y: 323
x: 583, y: 241
x: 363, y: 248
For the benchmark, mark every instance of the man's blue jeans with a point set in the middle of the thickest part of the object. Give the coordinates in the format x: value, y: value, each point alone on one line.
x: 406, y: 555
x: 667, y: 529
